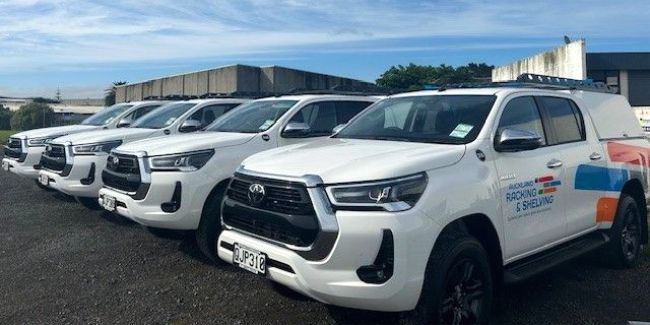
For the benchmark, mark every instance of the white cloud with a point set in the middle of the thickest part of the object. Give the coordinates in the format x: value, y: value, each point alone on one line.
x: 39, y: 32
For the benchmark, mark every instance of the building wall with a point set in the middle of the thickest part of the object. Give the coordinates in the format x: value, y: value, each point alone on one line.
x: 241, y: 79
x: 568, y: 61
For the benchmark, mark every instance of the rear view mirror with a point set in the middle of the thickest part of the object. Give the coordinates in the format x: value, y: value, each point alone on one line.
x: 296, y: 130
x: 124, y: 123
x: 190, y: 126
x: 511, y: 139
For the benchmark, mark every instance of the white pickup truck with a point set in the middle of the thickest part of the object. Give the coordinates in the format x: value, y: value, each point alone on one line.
x: 178, y: 182
x: 427, y: 201
x: 23, y: 150
x: 73, y: 164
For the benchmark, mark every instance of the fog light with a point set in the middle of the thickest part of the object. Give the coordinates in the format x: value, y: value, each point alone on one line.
x: 382, y: 269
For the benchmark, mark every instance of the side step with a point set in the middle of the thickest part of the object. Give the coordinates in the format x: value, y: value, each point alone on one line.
x: 541, y: 262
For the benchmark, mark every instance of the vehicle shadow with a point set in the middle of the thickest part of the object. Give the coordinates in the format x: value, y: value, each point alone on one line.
x: 117, y: 219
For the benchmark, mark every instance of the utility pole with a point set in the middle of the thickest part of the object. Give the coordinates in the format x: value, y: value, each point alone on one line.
x: 58, y: 94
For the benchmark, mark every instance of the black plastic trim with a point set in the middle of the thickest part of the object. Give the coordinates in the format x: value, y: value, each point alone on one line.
x: 175, y: 203
x: 91, y: 176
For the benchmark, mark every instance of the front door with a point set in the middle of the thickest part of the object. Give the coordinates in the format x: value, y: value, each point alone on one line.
x: 531, y: 185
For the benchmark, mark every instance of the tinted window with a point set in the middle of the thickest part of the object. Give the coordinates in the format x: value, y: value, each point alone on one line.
x: 164, y: 116
x: 107, y: 115
x: 323, y: 117
x: 522, y: 113
x: 142, y: 111
x: 254, y: 117
x: 453, y: 119
x: 209, y: 114
x: 565, y: 121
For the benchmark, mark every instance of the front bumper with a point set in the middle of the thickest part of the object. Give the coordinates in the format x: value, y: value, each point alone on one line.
x: 334, y: 280
x: 26, y: 168
x: 80, y: 171
x: 195, y: 188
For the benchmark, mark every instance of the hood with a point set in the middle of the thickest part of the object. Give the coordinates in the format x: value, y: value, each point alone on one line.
x: 168, y: 145
x: 351, y: 160
x: 97, y: 136
x: 54, y: 132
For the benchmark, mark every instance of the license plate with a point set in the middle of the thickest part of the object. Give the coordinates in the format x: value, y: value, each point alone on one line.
x: 45, y: 181
x: 5, y: 166
x: 249, y: 259
x: 108, y: 203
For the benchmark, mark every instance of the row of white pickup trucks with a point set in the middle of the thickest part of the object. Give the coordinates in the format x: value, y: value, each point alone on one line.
x: 423, y: 202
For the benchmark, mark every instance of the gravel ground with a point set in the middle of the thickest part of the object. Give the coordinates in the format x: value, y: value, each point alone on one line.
x: 62, y: 263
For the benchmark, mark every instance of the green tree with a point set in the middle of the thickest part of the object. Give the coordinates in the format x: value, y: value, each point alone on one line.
x: 109, y: 95
x: 415, y: 76
x: 32, y: 116
x: 5, y: 118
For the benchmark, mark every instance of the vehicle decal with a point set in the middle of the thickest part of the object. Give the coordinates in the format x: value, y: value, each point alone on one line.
x: 531, y: 197
x: 606, y: 209
x: 629, y: 154
x: 595, y: 178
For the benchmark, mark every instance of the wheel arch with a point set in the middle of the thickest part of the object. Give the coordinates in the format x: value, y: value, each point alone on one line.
x: 634, y: 188
x: 220, y: 187
x: 481, y: 227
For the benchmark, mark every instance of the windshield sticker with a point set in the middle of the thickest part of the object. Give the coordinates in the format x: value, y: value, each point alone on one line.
x: 531, y: 197
x: 461, y: 131
x: 266, y: 125
x: 170, y: 121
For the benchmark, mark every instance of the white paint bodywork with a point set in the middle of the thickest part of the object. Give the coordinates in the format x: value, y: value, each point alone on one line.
x: 26, y: 168
x: 81, y: 164
x: 230, y: 150
x: 459, y: 185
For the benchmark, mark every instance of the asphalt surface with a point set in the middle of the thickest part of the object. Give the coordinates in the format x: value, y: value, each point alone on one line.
x: 63, y: 263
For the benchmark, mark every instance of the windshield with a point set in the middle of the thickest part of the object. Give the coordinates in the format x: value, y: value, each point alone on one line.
x: 254, y: 117
x: 163, y: 116
x: 107, y: 115
x: 452, y: 119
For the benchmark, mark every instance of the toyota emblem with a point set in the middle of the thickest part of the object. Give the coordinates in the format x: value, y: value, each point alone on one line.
x: 256, y: 193
x: 115, y: 160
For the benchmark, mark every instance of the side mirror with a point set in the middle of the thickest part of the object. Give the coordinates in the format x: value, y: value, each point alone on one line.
x: 511, y: 139
x: 296, y: 130
x: 124, y: 123
x: 190, y: 126
x: 338, y: 128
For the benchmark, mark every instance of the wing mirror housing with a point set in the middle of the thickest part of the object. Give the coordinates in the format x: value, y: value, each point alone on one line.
x: 511, y: 139
x: 296, y: 130
x: 190, y: 126
x: 124, y: 123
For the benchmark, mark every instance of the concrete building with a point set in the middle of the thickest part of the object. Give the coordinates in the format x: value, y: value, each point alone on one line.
x: 240, y: 80
x: 626, y: 73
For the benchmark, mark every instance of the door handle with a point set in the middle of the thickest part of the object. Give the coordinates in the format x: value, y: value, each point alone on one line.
x: 595, y: 156
x: 554, y: 164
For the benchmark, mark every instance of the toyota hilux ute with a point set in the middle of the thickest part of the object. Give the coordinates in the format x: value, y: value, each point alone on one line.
x: 427, y: 201
x: 178, y: 182
x: 22, y: 153
x: 73, y: 164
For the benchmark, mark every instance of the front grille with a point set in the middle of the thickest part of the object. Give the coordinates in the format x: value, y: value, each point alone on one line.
x: 14, y: 148
x: 285, y: 214
x: 282, y: 198
x: 122, y: 173
x: 53, y: 157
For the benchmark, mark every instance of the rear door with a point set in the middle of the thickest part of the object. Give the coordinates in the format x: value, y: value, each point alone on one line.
x: 583, y: 160
x: 530, y: 184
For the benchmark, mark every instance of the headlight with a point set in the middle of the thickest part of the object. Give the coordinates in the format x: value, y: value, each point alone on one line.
x: 390, y: 195
x: 186, y: 162
x: 39, y: 142
x: 95, y: 148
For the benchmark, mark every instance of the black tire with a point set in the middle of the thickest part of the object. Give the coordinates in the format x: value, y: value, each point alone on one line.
x: 458, y: 286
x: 210, y: 226
x: 43, y: 187
x: 624, y: 249
x: 89, y: 203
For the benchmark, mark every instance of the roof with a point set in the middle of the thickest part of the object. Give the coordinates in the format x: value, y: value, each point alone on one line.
x: 618, y: 61
x: 308, y: 97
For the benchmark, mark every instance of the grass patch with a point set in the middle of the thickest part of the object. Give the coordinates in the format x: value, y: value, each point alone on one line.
x: 4, y: 135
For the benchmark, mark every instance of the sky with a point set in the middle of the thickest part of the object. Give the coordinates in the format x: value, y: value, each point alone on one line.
x: 82, y: 46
